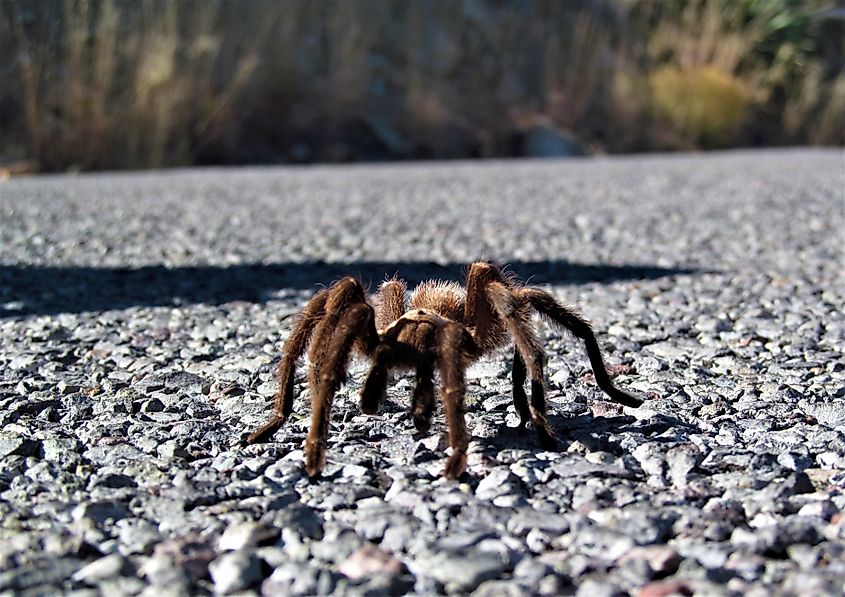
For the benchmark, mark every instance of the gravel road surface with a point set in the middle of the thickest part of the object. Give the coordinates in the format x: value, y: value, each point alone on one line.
x: 142, y: 316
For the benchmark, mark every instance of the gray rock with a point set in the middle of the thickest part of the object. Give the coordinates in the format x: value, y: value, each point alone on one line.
x: 238, y: 536
x: 823, y: 509
x: 180, y: 561
x: 497, y: 588
x: 38, y: 574
x: 12, y: 444
x: 651, y: 459
x: 299, y: 518
x: 522, y: 522
x: 101, y: 512
x: 112, y: 480
x: 598, y: 588
x: 681, y: 461
x: 459, y: 571
x: 499, y: 481
x: 830, y: 414
x: 531, y: 569
x: 137, y: 536
x: 102, y: 569
x: 182, y: 380
x: 235, y: 571
x: 60, y: 449
x: 299, y: 580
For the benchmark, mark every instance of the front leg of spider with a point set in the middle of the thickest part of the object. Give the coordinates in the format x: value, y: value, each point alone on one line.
x: 349, y: 321
x: 294, y: 348
x: 422, y: 404
x: 334, y: 322
x: 332, y: 373
x: 452, y: 349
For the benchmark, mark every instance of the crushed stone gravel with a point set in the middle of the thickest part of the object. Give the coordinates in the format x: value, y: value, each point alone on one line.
x: 142, y: 316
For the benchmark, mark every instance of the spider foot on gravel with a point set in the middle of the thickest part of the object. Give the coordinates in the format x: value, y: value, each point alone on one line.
x: 442, y: 327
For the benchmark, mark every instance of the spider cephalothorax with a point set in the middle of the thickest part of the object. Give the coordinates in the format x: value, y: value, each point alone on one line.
x: 442, y: 327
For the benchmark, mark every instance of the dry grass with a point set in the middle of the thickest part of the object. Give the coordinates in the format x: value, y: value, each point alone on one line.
x: 94, y: 84
x: 704, y: 104
x: 134, y: 85
x: 697, y: 51
x: 815, y: 112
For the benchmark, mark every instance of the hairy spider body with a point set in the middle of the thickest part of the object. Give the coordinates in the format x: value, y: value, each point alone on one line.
x: 442, y: 327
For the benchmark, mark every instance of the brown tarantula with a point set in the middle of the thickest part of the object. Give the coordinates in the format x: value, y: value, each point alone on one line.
x: 442, y: 327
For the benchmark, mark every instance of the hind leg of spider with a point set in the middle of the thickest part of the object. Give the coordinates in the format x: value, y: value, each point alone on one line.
x: 546, y: 436
x: 294, y: 347
x: 564, y: 317
x: 516, y: 316
x: 520, y: 400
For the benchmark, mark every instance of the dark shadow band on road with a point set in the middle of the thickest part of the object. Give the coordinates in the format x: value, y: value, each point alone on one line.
x: 47, y: 290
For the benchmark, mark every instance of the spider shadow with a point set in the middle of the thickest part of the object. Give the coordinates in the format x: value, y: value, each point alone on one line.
x: 48, y: 290
x: 595, y: 433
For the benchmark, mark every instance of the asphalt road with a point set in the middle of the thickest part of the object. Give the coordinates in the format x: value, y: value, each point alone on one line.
x: 141, y: 316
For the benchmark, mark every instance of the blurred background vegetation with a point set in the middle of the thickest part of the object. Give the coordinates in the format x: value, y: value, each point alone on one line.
x: 106, y: 84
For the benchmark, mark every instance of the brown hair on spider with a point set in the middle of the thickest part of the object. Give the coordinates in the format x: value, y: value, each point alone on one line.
x: 441, y: 327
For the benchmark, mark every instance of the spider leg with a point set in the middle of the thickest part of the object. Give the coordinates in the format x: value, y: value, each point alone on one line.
x: 520, y: 400
x: 515, y: 316
x: 341, y: 295
x: 355, y: 320
x: 423, y: 336
x: 403, y: 343
x: 562, y: 316
x: 373, y: 391
x: 478, y: 312
x: 422, y: 406
x: 384, y: 359
x: 390, y: 302
x: 452, y: 364
x: 294, y: 347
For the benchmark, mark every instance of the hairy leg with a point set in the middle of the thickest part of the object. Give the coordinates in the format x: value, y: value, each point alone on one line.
x: 565, y: 317
x: 422, y: 336
x: 341, y: 296
x: 390, y: 302
x: 423, y: 402
x: 384, y: 358
x: 405, y: 342
x: 520, y: 400
x: 338, y: 345
x: 516, y: 317
x: 373, y: 391
x: 478, y: 312
x: 452, y: 366
x: 294, y: 347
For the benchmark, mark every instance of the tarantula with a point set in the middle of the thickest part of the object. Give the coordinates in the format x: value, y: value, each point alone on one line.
x: 442, y: 327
